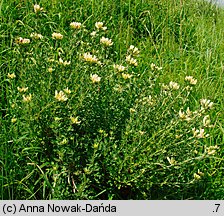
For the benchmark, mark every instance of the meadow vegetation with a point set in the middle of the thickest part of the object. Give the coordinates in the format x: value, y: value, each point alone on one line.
x: 111, y: 99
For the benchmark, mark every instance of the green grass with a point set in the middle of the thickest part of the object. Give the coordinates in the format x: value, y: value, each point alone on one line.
x: 122, y: 136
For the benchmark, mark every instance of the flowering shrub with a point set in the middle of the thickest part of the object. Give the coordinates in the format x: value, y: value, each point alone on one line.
x: 87, y: 123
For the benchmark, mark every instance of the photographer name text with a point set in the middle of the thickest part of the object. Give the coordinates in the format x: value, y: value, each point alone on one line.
x: 53, y: 208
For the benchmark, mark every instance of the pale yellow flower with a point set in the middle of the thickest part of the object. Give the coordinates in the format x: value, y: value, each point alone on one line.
x: 119, y: 68
x: 195, y: 151
x: 22, y: 89
x: 57, y: 118
x: 182, y: 114
x: 25, y: 41
x: 178, y: 136
x: 75, y: 25
x: 101, y: 131
x: 64, y: 141
x: 206, y: 103
x: 90, y: 58
x: 95, y: 78
x: 37, y: 8
x: 93, y: 34
x: 21, y: 40
x: 60, y: 96
x: 106, y: 41
x: 66, y: 63
x: 50, y: 69
x: 174, y: 85
x: 196, y: 176
x: 67, y: 91
x: 195, y: 132
x: 126, y: 76
x: 200, y: 173
x: 95, y: 145
x: 186, y: 116
x: 99, y: 25
x: 36, y: 36
x: 165, y: 87
x: 171, y: 160
x: 148, y: 100
x: 27, y: 98
x: 188, y: 112
x: 75, y: 120
x: 131, y: 61
x: 206, y: 121
x: 57, y: 36
x: 142, y: 132
x: 202, y: 134
x: 154, y: 67
x: 134, y: 50
x: 62, y: 62
x: 13, y: 120
x: 191, y: 80
x: 188, y: 88
x: 50, y: 60
x: 199, y: 133
x: 211, y: 150
x: 11, y: 76
x: 132, y: 110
